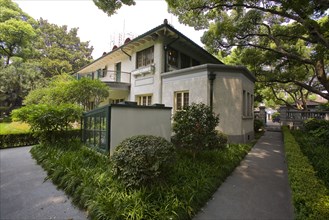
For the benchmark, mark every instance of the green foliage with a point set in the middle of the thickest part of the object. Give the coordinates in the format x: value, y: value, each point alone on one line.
x: 17, y: 140
x: 31, y: 51
x: 318, y: 130
x: 194, y: 128
x: 281, y: 42
x: 310, y: 196
x: 60, y: 49
x: 17, y: 80
x: 17, y: 31
x: 9, y: 127
x: 111, y: 6
x: 317, y: 153
x: 48, y: 121
x: 66, y: 89
x: 142, y: 160
x: 258, y: 125
x: 86, y: 176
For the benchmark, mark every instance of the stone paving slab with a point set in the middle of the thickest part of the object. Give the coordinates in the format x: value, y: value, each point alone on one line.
x: 25, y: 195
x: 257, y: 189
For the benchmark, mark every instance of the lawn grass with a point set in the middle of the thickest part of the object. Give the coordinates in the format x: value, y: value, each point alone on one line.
x: 14, y: 128
x: 86, y: 176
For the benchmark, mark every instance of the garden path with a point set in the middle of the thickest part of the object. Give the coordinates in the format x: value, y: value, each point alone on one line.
x: 24, y: 194
x: 258, y: 188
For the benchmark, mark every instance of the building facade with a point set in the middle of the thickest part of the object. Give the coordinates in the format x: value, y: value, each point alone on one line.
x: 164, y: 66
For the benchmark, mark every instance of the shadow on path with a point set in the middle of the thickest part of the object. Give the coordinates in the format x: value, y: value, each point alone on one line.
x: 258, y: 188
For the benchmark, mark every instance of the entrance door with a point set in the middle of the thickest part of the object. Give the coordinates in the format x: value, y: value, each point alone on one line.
x: 118, y: 72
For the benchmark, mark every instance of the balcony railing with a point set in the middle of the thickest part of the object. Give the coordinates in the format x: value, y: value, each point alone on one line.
x: 114, y: 76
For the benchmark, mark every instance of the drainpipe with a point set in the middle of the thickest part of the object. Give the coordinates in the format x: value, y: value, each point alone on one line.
x: 211, y: 77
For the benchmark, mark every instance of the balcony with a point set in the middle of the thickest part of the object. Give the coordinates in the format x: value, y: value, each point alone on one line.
x: 114, y: 76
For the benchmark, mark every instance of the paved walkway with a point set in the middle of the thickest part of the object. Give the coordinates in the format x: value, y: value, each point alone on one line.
x: 25, y: 195
x: 258, y: 188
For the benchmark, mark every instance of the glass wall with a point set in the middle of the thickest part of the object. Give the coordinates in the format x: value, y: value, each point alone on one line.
x: 95, y: 129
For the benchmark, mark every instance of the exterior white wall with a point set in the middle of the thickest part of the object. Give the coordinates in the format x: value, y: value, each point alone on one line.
x: 130, y: 121
x: 228, y: 103
x: 148, y: 83
x: 196, y: 82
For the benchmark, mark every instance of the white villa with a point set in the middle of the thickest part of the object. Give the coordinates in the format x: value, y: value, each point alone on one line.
x: 164, y: 66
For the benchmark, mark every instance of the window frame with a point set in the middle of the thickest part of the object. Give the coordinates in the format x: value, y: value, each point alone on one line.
x: 145, y: 97
x: 183, y: 103
x: 145, y: 57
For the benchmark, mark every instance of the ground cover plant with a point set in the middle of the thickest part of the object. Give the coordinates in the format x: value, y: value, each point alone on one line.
x: 309, y: 193
x: 86, y: 176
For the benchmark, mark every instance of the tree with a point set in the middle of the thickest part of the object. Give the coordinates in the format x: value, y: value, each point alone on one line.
x: 60, y: 49
x: 17, y: 31
x: 16, y: 80
x: 291, y: 37
x: 110, y: 6
x: 64, y: 89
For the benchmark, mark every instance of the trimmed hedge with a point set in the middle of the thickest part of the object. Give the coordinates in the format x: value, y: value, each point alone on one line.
x: 28, y: 139
x: 310, y: 196
x: 17, y: 140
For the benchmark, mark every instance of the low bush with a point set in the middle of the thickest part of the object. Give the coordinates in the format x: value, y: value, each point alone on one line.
x: 217, y: 141
x: 142, y: 159
x: 17, y: 140
x: 47, y: 121
x: 86, y: 176
x: 310, y: 196
x: 28, y: 139
x: 318, y: 154
x: 194, y: 128
x: 258, y: 125
x: 318, y: 131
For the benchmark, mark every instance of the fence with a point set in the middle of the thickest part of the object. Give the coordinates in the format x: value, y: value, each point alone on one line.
x: 295, y: 118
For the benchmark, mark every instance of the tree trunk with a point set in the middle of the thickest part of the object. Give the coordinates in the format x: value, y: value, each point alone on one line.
x: 321, y: 74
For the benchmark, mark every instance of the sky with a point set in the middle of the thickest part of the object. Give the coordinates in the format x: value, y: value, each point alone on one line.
x: 101, y: 31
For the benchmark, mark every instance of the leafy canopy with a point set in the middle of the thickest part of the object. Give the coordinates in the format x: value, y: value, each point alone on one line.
x: 111, y: 6
x: 285, y: 41
x: 66, y: 89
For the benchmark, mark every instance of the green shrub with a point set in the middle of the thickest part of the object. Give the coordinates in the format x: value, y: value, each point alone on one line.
x: 217, y: 141
x: 194, y: 128
x: 142, y: 159
x: 28, y: 139
x: 86, y: 176
x: 312, y: 124
x: 318, y: 130
x: 310, y: 196
x: 318, y: 154
x: 17, y: 140
x: 258, y: 125
x: 48, y: 121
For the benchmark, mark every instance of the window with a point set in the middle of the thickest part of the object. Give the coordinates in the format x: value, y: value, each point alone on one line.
x: 244, y: 103
x: 195, y: 62
x: 118, y: 72
x: 247, y: 103
x: 145, y: 57
x: 185, y: 61
x: 181, y: 100
x: 144, y: 100
x: 116, y: 101
x: 173, y: 57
